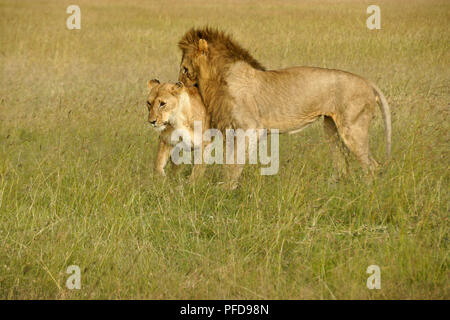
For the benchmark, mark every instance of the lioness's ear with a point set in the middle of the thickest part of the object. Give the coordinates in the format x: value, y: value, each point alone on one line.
x: 179, y: 84
x: 203, y: 46
x: 178, y: 87
x: 152, y: 83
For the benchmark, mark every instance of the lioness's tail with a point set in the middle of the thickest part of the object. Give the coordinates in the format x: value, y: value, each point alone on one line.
x: 386, y: 111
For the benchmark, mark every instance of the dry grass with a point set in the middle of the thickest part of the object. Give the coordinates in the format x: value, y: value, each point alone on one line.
x: 76, y: 181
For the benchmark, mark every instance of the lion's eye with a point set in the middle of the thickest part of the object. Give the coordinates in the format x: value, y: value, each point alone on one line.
x: 162, y: 104
x: 185, y: 70
x: 149, y: 104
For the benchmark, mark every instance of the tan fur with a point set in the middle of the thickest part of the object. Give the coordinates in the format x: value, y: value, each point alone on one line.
x: 181, y: 107
x: 239, y: 93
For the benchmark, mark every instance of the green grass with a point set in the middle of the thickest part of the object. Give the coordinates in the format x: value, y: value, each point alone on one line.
x: 76, y: 157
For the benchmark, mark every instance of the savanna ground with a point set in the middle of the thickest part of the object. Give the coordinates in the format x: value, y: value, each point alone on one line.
x: 76, y: 156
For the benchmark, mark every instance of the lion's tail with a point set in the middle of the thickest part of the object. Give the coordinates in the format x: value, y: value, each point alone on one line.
x: 386, y: 111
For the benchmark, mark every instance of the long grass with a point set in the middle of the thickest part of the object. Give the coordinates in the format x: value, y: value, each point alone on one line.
x: 76, y: 157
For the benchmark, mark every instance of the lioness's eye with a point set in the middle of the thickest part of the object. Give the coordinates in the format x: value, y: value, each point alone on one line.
x: 162, y: 104
x: 149, y: 104
x: 185, y: 70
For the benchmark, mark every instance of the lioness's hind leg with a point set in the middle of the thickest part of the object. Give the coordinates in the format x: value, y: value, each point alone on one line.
x: 340, y: 162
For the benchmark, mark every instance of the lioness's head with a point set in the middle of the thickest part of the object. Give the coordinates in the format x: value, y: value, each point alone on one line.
x: 162, y: 103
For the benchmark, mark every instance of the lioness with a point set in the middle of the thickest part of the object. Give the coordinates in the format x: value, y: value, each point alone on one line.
x: 175, y: 107
x: 240, y: 93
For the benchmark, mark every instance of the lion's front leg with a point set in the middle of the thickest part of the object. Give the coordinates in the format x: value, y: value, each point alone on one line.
x: 232, y: 174
x: 197, y: 172
x: 199, y: 168
x: 232, y: 170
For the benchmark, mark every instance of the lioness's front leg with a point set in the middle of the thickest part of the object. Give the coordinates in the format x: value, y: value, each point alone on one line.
x: 162, y: 157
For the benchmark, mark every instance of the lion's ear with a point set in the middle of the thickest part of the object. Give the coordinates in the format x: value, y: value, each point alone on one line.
x: 152, y: 83
x: 203, y: 46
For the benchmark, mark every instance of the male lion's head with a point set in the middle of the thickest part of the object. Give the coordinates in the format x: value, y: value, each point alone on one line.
x: 162, y: 103
x: 206, y: 52
x: 192, y: 63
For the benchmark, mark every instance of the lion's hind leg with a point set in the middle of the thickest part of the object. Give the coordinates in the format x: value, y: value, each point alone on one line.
x: 355, y: 135
x: 337, y: 149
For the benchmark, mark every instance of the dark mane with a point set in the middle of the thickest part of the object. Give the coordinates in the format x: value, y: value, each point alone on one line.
x: 218, y: 41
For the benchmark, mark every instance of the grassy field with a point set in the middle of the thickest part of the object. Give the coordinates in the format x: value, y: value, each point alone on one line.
x: 76, y: 157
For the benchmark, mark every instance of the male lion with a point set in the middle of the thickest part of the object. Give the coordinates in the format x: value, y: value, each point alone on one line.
x: 239, y: 93
x: 175, y: 107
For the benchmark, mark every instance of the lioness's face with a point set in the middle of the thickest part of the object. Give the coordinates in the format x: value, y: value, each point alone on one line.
x: 162, y: 103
